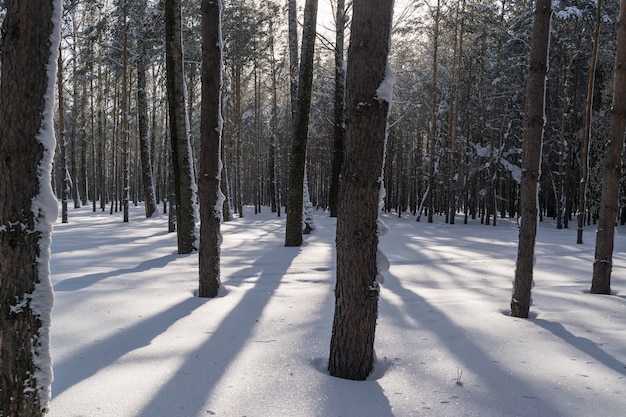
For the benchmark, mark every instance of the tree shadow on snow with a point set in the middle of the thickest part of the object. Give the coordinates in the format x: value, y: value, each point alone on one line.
x: 84, y: 281
x: 459, y: 342
x: 87, y: 361
x: 207, y: 365
x: 583, y: 344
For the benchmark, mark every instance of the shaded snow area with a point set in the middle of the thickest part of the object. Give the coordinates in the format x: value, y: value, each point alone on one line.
x: 129, y: 338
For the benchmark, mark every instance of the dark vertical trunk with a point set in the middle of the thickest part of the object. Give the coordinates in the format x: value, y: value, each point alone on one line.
x: 534, y: 119
x: 27, y: 203
x: 182, y: 160
x: 565, y: 113
x: 603, y: 261
x: 210, y: 159
x: 338, y: 118
x: 257, y: 138
x: 66, y: 184
x: 238, y: 148
x: 295, y: 197
x: 124, y: 123
x: 144, y: 139
x: 586, y: 137
x: 292, y: 17
x: 275, y: 145
x: 84, y: 144
x: 433, y: 120
x: 94, y: 146
x: 367, y: 107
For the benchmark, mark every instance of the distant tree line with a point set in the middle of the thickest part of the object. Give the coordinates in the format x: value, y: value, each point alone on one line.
x: 455, y: 128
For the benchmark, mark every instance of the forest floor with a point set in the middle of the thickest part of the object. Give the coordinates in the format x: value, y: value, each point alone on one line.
x: 130, y: 337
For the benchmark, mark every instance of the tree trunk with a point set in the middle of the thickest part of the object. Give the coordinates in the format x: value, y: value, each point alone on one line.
x: 66, y: 184
x: 586, y: 138
x: 295, y: 196
x: 274, y: 151
x: 433, y: 165
x: 534, y: 119
x: 211, y: 197
x: 338, y: 114
x: 292, y: 17
x: 28, y: 207
x: 144, y: 139
x: 603, y: 261
x: 124, y: 122
x: 357, y: 288
x: 238, y: 147
x: 565, y: 112
x: 182, y: 160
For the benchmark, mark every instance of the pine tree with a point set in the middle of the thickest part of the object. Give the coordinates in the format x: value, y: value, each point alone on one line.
x: 603, y: 261
x: 28, y: 207
x: 182, y: 160
x: 534, y: 120
x: 210, y: 160
x: 368, y: 99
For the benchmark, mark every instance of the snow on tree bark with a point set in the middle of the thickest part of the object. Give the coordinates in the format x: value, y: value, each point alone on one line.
x: 293, y: 233
x: 367, y: 106
x: 28, y: 207
x: 534, y: 120
x: 211, y: 197
x: 182, y: 160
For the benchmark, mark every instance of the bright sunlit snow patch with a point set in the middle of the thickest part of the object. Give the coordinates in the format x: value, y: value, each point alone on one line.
x: 384, y: 91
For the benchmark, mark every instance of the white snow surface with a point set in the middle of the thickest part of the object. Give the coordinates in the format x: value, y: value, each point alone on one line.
x: 130, y: 338
x: 385, y: 89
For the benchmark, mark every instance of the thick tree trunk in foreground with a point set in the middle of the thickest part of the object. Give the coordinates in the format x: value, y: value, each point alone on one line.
x: 182, y: 161
x: 295, y: 196
x: 603, y: 261
x: 531, y: 158
x: 367, y: 106
x: 28, y: 206
x: 211, y: 197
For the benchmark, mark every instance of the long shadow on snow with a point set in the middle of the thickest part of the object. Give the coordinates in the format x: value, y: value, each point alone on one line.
x: 471, y: 355
x: 87, y: 361
x: 581, y: 343
x: 211, y: 360
x: 84, y: 281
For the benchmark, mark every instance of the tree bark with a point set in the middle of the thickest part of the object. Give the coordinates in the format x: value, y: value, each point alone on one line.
x: 145, y: 148
x: 534, y: 119
x: 603, y: 261
x: 357, y: 288
x: 211, y: 197
x: 295, y: 196
x: 586, y: 138
x: 125, y: 122
x: 292, y: 19
x: 28, y: 207
x: 66, y: 183
x: 182, y: 161
x: 274, y: 159
x: 144, y: 139
x: 338, y: 113
x: 432, y: 172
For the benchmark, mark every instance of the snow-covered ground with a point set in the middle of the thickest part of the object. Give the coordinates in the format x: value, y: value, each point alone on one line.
x: 130, y: 338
